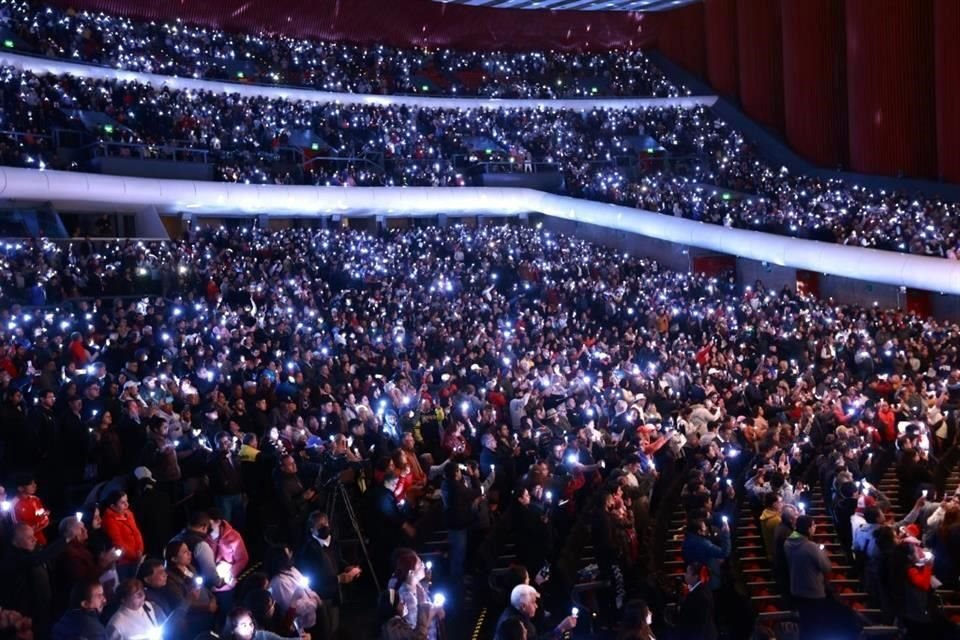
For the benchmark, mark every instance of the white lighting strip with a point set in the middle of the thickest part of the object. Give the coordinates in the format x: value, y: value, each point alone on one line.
x: 86, y: 191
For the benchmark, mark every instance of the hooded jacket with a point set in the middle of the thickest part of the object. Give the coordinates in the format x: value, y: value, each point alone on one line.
x: 809, y: 566
x: 769, y: 520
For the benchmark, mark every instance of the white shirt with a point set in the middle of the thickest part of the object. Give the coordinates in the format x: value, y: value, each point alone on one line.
x: 288, y: 591
x: 129, y: 624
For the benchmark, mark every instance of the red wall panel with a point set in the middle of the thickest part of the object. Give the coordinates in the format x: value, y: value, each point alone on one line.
x: 680, y: 37
x: 720, y: 35
x: 401, y: 22
x: 713, y: 265
x: 760, y: 61
x: 946, y: 24
x: 814, y: 90
x: 920, y: 302
x: 890, y: 87
x: 808, y: 282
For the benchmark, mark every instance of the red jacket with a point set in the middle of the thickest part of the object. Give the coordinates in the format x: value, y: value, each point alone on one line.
x: 124, y: 533
x: 920, y: 577
x: 29, y: 510
x: 230, y: 548
x: 77, y: 563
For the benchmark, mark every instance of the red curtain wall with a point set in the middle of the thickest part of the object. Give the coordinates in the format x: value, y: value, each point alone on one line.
x: 761, y: 61
x: 813, y: 80
x: 680, y: 37
x: 947, y: 69
x: 401, y: 22
x: 720, y: 35
x: 890, y: 87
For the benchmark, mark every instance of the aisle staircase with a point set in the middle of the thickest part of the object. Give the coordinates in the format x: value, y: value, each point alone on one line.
x: 771, y: 607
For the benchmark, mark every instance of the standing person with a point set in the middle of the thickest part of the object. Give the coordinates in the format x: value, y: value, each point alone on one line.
x: 28, y: 509
x: 187, y: 585
x: 695, y: 620
x: 26, y: 585
x: 523, y: 607
x: 319, y: 558
x: 407, y: 581
x: 196, y: 537
x: 230, y: 556
x: 386, y: 523
x: 459, y: 499
x: 809, y: 566
x: 76, y: 565
x: 781, y: 569
x: 698, y: 548
x: 291, y: 589
x: 397, y: 627
x: 295, y: 499
x: 226, y: 481
x: 121, y: 526
x: 769, y: 521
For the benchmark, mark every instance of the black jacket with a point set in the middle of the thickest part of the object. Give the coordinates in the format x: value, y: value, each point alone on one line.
x: 458, y: 504
x: 532, y: 634
x: 26, y: 586
x: 323, y: 565
x: 79, y: 624
x: 695, y: 618
x: 225, y: 476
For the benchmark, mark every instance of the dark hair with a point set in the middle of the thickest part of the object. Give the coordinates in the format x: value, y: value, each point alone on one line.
x: 230, y: 624
x: 694, y: 524
x: 148, y: 567
x: 517, y: 575
x: 277, y: 560
x: 100, y: 543
x: 172, y: 549
x: 82, y: 592
x: 635, y: 613
x: 872, y: 514
x: 198, y: 519
x: 770, y: 499
x: 315, y: 516
x: 450, y: 471
x: 776, y: 479
x: 258, y: 603
x: 803, y: 525
x: 404, y: 562
x: 127, y: 588
x: 113, y: 498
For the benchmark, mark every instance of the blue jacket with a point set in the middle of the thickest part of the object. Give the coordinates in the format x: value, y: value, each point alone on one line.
x: 697, y: 548
x: 79, y: 624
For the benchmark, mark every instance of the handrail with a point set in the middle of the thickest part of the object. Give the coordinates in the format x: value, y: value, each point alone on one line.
x: 115, y: 193
x: 147, y: 151
x: 17, y: 135
x: 57, y: 66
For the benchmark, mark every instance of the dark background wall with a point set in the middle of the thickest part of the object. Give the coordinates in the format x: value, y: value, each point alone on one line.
x: 401, y: 22
x: 866, y: 85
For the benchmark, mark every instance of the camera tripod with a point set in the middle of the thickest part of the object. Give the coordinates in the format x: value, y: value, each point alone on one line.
x: 338, y: 493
